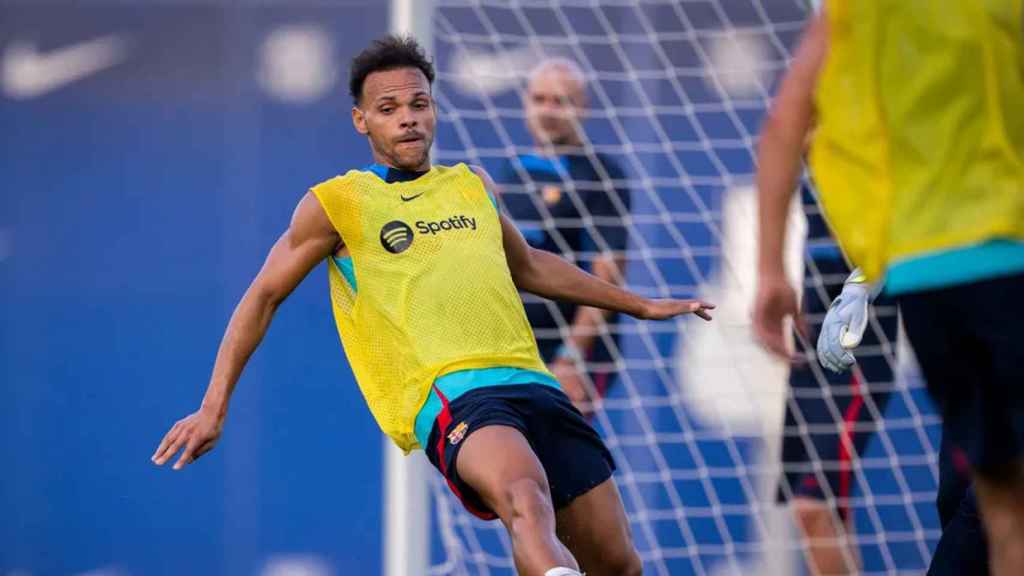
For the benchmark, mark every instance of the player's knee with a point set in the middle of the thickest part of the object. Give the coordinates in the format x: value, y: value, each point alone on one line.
x: 527, y: 500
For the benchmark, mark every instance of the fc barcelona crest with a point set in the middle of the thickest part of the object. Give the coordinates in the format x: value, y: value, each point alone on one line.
x: 551, y: 194
x: 458, y: 433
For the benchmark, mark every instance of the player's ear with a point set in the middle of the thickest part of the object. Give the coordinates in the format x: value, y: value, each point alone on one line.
x: 582, y: 103
x: 582, y: 111
x: 359, y: 120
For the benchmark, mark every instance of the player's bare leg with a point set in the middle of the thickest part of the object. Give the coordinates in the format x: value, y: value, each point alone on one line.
x: 595, y: 528
x: 1001, y: 498
x: 499, y: 464
x: 829, y: 552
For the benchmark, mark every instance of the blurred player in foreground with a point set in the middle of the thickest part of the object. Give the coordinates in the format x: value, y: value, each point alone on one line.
x: 568, y: 200
x: 830, y: 415
x: 423, y: 276
x: 919, y: 156
x: 962, y: 548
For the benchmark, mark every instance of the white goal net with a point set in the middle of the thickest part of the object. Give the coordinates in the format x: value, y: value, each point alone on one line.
x: 694, y: 417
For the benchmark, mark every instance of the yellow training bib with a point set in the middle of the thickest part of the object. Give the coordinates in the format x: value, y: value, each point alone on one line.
x: 427, y: 290
x: 920, y: 140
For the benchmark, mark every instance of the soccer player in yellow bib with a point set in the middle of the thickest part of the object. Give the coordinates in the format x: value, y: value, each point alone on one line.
x: 919, y: 156
x: 423, y: 278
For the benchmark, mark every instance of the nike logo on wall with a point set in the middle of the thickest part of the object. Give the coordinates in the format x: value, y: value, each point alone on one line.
x: 25, y: 72
x: 406, y: 199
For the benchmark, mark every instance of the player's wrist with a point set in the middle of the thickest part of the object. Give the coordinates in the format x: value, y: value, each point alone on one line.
x: 858, y: 282
x: 770, y: 266
x: 856, y: 277
x: 772, y: 278
x: 215, y: 405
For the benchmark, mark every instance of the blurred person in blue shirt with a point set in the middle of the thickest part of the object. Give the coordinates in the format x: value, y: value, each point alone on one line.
x: 568, y: 199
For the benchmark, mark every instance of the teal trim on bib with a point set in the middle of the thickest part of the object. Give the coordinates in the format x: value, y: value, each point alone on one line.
x: 458, y: 383
x: 347, y: 269
x: 937, y: 270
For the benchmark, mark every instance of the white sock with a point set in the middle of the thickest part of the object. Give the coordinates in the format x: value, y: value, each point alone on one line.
x: 560, y: 571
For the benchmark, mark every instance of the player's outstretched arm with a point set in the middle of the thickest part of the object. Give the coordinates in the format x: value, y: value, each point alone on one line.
x: 548, y: 275
x: 779, y: 152
x: 309, y: 239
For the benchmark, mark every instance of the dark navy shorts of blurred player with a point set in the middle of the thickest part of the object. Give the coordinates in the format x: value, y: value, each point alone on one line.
x: 816, y: 461
x: 965, y: 338
x: 572, y: 454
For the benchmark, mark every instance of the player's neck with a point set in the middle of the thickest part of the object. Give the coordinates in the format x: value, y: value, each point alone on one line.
x: 382, y: 160
x: 551, y: 150
x: 391, y: 174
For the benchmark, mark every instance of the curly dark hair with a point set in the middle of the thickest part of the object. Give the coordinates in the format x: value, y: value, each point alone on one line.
x: 388, y: 53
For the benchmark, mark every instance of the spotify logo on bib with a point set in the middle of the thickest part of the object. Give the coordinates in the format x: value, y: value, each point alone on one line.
x: 396, y: 236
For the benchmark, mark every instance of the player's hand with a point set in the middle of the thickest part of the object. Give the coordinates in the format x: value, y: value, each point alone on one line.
x: 194, y: 434
x: 776, y: 300
x: 844, y: 327
x: 568, y: 375
x: 663, y: 309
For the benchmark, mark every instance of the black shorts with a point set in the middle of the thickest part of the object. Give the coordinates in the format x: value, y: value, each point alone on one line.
x: 573, y: 455
x: 825, y: 428
x: 967, y: 343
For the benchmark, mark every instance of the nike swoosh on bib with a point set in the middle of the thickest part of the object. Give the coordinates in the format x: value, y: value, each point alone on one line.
x: 405, y: 199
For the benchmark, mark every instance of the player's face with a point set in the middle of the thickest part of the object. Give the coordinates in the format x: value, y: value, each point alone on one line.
x: 397, y: 113
x: 554, y: 108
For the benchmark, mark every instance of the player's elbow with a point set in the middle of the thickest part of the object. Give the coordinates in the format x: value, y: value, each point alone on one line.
x: 527, y: 271
x: 523, y: 279
x: 266, y: 294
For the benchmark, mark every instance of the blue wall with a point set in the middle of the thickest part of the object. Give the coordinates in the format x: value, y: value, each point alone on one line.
x: 136, y: 205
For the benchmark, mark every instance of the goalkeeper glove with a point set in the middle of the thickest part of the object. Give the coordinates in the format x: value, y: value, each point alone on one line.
x: 845, y: 323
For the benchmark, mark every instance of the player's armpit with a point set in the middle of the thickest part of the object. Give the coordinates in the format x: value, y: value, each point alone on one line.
x: 517, y: 253
x: 309, y: 239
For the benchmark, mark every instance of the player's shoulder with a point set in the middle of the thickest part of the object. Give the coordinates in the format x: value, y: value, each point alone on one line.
x: 606, y: 163
x: 458, y: 169
x: 343, y: 183
x: 474, y: 170
x: 338, y: 181
x: 538, y: 166
x: 461, y: 170
x: 480, y: 174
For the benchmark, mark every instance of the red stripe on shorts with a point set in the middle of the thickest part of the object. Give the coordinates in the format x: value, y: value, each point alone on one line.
x: 444, y: 422
x: 846, y: 445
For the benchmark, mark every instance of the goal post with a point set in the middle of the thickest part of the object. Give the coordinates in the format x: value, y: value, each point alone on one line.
x: 406, y: 545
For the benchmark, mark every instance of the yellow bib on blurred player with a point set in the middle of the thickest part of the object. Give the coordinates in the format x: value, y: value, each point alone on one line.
x: 427, y: 291
x: 920, y: 139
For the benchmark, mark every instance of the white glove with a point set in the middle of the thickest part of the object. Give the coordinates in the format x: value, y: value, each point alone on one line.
x: 845, y: 323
